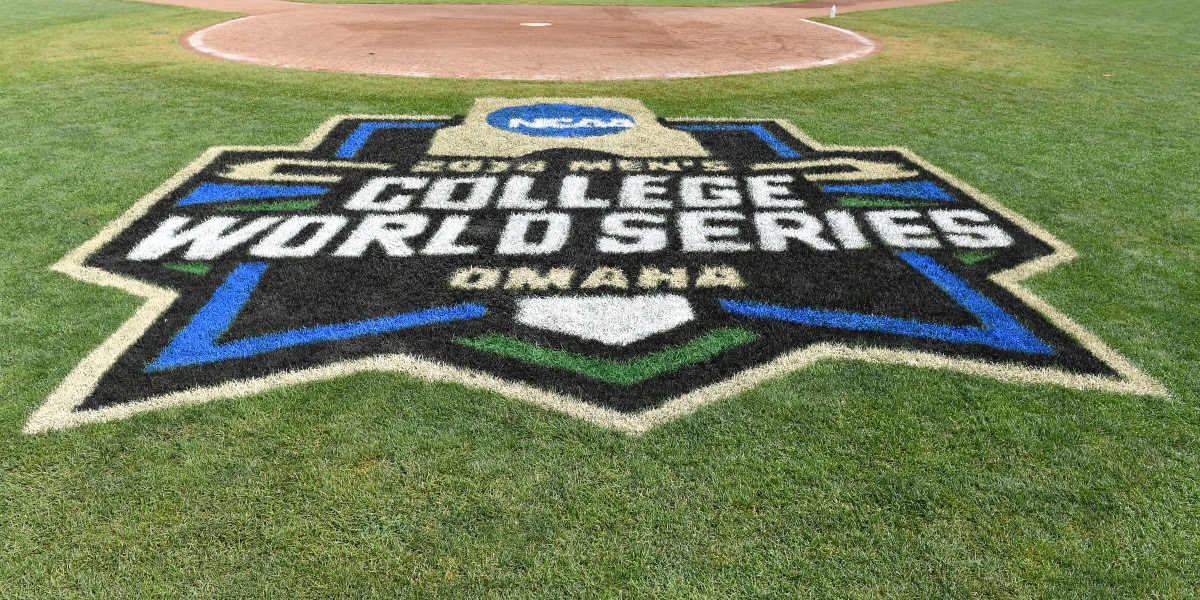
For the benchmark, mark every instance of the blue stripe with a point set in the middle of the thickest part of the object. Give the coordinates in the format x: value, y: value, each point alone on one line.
x: 230, y: 192
x: 359, y: 137
x: 924, y: 190
x: 999, y: 329
x: 197, y: 343
x: 763, y: 134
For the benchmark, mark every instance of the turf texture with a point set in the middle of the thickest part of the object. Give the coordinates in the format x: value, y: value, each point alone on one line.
x: 842, y: 480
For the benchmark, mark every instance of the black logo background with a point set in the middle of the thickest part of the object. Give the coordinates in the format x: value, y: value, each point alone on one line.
x: 316, y: 291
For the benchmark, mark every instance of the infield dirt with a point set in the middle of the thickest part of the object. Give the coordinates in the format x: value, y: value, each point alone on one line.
x: 562, y: 43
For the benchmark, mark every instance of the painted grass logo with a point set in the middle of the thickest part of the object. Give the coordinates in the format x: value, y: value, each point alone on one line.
x: 581, y: 254
x: 560, y: 120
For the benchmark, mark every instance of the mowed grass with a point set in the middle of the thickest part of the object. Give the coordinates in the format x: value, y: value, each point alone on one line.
x: 842, y: 480
x: 575, y: 2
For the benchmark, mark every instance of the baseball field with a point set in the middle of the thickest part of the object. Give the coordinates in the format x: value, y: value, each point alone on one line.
x: 842, y: 479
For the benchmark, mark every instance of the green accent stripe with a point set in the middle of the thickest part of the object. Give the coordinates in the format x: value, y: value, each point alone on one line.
x: 194, y: 268
x: 880, y: 203
x: 624, y: 372
x: 296, y: 205
x: 971, y: 258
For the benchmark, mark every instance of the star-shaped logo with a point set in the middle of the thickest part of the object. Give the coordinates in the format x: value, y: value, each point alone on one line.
x: 581, y: 254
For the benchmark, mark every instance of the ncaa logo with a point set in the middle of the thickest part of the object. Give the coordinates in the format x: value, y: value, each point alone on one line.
x: 561, y: 120
x: 581, y: 254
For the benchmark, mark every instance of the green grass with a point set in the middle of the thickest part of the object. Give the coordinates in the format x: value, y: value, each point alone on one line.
x: 269, y: 206
x: 625, y: 372
x: 576, y: 2
x: 842, y: 480
x: 194, y: 268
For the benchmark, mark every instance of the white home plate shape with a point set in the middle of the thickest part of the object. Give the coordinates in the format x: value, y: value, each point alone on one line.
x: 612, y: 320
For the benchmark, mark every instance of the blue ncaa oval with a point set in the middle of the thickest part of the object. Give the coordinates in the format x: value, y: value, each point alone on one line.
x: 560, y: 120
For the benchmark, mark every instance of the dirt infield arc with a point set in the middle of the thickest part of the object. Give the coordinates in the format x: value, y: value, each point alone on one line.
x: 565, y: 43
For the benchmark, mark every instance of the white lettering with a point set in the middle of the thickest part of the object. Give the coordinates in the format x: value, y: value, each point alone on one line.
x: 441, y: 193
x: 391, y: 232
x: 516, y: 195
x: 902, y: 235
x: 281, y: 242
x: 367, y: 198
x: 709, y: 192
x: 445, y: 239
x: 644, y: 191
x: 699, y: 233
x: 982, y: 234
x: 619, y: 236
x: 515, y: 237
x: 776, y: 228
x: 206, y: 241
x: 770, y: 191
x: 573, y: 194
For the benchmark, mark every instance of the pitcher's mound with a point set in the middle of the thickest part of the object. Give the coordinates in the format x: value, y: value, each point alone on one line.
x: 567, y: 43
x: 574, y: 43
